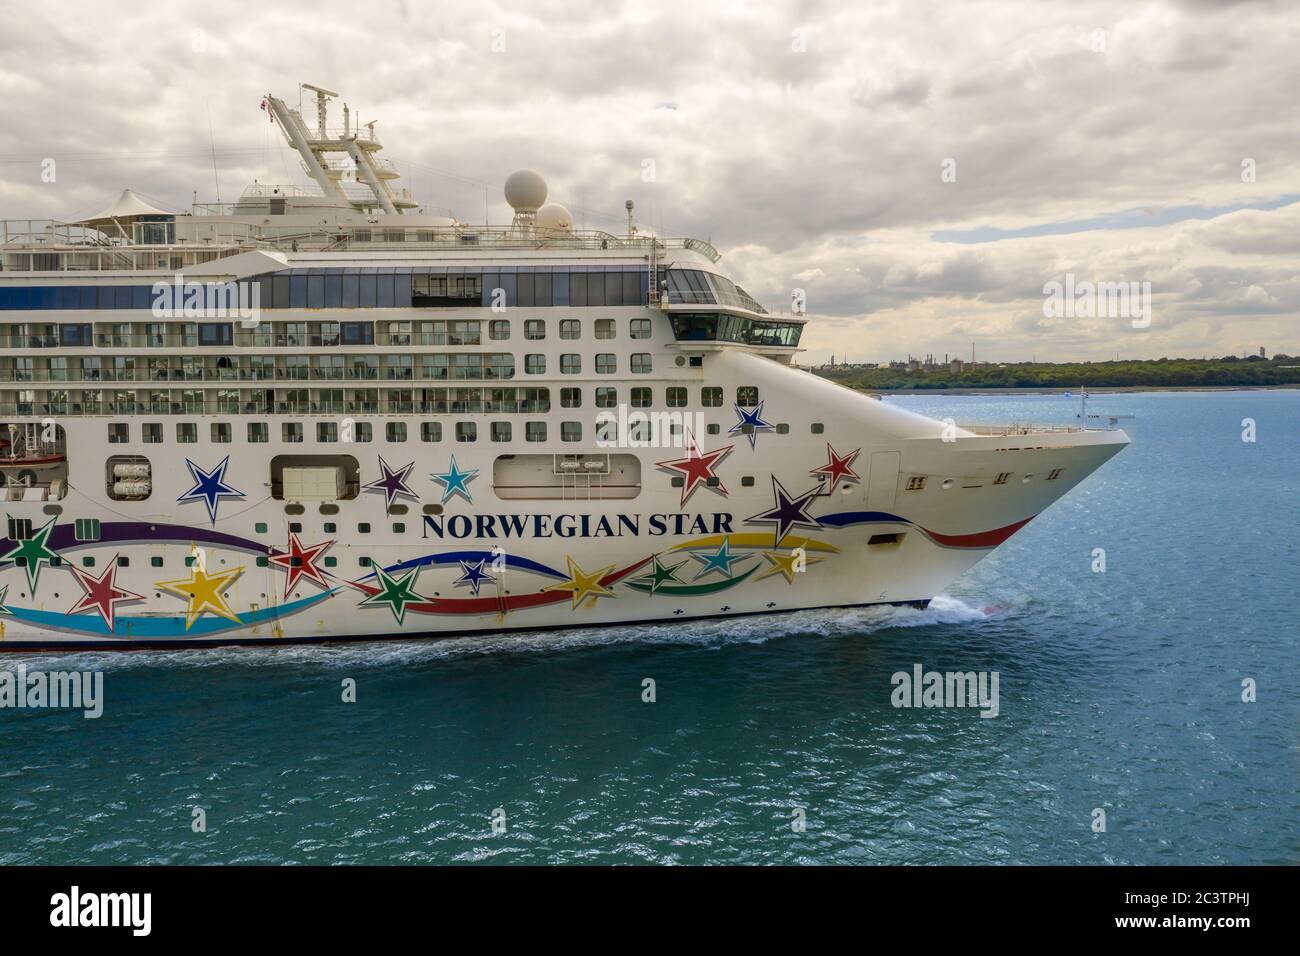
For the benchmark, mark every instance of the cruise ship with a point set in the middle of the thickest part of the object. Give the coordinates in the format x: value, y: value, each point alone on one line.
x: 321, y: 413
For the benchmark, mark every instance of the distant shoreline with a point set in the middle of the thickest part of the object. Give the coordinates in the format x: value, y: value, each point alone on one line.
x: 1091, y: 389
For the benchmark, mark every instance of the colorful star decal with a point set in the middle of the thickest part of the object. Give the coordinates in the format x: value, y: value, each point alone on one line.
x: 210, y: 486
x: 787, y: 512
x: 395, y: 592
x: 4, y: 593
x: 455, y: 482
x: 697, y: 467
x: 838, y: 468
x: 203, y: 592
x: 392, y: 482
x: 472, y: 573
x: 786, y: 565
x: 305, y: 564
x: 660, y: 575
x: 101, y: 593
x: 33, y: 551
x: 752, y: 417
x: 581, y: 585
x: 720, y: 560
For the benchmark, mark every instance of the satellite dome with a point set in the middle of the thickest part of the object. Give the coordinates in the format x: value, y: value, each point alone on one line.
x: 525, y: 191
x: 554, y: 217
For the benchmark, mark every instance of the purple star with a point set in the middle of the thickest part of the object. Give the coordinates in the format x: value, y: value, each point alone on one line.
x: 788, y: 512
x: 393, y: 483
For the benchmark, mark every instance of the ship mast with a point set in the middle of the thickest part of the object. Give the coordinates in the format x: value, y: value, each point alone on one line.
x: 314, y: 146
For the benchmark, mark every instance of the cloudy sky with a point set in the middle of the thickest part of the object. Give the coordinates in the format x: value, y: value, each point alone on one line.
x: 809, y: 140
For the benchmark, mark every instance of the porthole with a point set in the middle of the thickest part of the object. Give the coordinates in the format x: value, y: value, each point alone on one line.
x: 1025, y: 480
x: 947, y: 483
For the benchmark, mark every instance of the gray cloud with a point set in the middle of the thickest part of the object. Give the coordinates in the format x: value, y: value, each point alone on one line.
x: 804, y: 139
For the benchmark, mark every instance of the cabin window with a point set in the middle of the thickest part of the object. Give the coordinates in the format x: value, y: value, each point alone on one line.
x: 818, y: 428
x: 152, y: 433
x: 215, y: 333
x: 155, y: 561
x: 119, y: 433
x: 259, y: 432
x: 604, y: 328
x: 260, y: 527
x: 747, y: 396
x: 535, y: 364
x: 713, y: 429
x: 606, y: 396
x: 86, y: 529
x: 711, y: 396
x: 639, y: 328
x: 466, y: 431
x: 606, y: 364
x: 395, y: 432
x: 500, y: 431
x: 430, y: 431
x: 291, y: 432
x: 570, y: 431
x: 535, y: 431
x: 676, y: 396
x: 123, y: 561
x: 499, y: 329
x: 363, y: 528
x: 570, y: 364
x: 642, y: 397
x: 221, y: 433
x: 20, y: 529
x: 534, y: 330
x: 641, y: 364
x: 782, y: 428
x: 570, y: 398
x: 747, y: 481
x: 327, y: 431
x: 570, y: 329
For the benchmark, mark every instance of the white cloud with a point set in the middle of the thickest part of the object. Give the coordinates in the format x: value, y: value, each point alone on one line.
x: 817, y: 168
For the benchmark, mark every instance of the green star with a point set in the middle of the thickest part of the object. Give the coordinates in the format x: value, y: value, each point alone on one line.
x: 660, y: 575
x: 395, y: 592
x: 33, y: 550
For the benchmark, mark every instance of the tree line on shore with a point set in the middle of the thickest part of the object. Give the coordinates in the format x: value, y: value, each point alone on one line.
x: 1228, y: 370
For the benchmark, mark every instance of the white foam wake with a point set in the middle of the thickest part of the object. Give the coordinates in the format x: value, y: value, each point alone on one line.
x: 943, y: 610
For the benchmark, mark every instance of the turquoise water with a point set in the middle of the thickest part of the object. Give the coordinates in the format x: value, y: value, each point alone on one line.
x: 1119, y: 691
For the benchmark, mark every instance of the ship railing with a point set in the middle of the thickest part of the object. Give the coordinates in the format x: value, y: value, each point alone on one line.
x: 120, y: 408
x: 145, y: 375
x: 1026, y: 428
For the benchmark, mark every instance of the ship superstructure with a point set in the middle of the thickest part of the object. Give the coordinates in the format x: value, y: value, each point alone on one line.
x: 319, y: 413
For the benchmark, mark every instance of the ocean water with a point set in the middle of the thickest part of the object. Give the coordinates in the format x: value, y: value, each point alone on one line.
x: 1119, y: 691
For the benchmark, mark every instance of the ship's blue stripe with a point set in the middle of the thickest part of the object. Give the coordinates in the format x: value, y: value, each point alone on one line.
x: 843, y: 519
x: 149, y: 626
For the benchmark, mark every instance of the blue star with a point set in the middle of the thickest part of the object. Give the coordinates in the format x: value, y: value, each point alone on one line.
x: 752, y: 417
x: 720, y: 560
x: 210, y: 486
x: 788, y: 512
x: 393, y: 482
x: 473, y: 574
x: 456, y: 482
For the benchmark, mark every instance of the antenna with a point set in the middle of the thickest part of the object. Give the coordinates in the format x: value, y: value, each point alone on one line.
x: 322, y: 99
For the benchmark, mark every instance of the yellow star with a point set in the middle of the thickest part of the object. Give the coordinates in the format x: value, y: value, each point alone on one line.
x: 784, y: 564
x: 583, y: 585
x: 203, y: 592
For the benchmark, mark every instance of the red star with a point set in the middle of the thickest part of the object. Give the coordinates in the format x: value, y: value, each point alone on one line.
x: 306, y: 564
x: 838, y: 467
x: 102, y: 594
x: 697, y: 467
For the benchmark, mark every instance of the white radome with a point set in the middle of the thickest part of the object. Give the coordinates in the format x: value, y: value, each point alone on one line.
x: 555, y: 218
x: 525, y: 191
